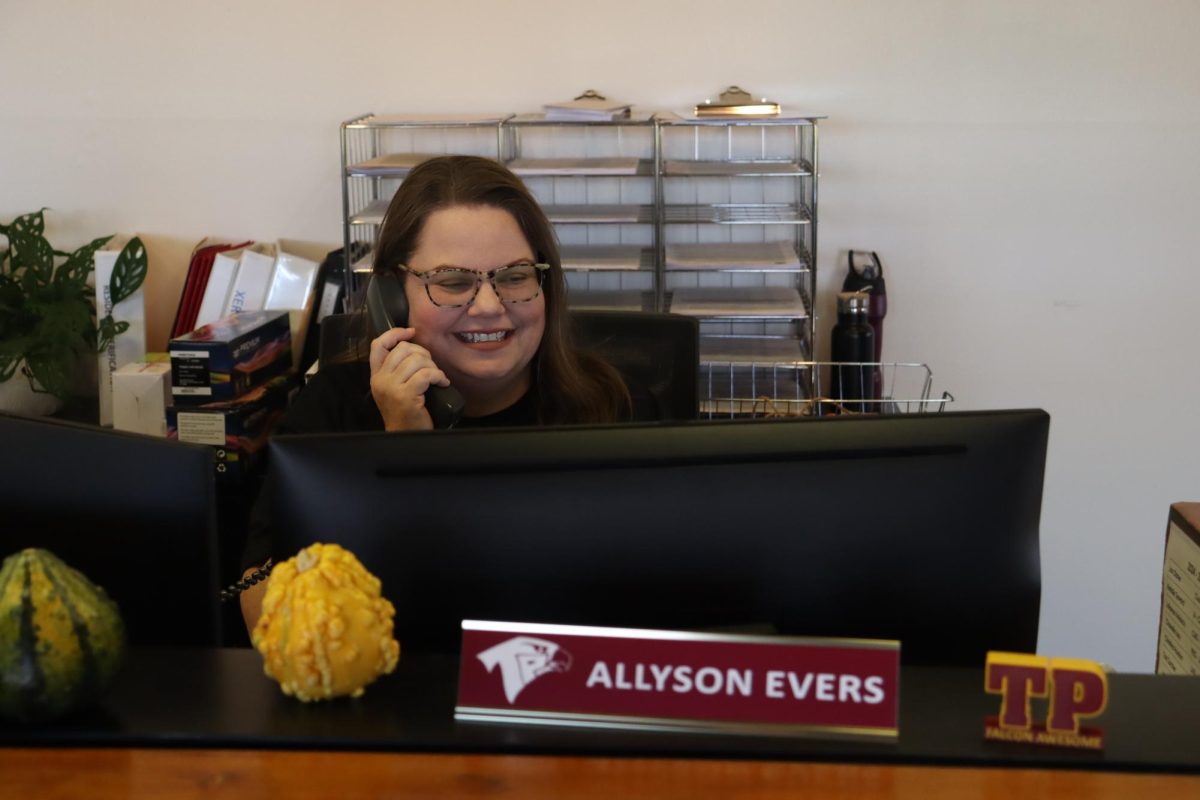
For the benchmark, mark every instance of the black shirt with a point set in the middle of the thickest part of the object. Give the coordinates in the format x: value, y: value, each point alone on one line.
x: 338, y: 399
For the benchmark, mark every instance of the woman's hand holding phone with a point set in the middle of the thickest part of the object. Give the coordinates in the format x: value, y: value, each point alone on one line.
x: 401, y: 373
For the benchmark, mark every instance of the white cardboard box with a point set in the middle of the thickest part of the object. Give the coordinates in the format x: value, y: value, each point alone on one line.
x: 128, y: 347
x: 292, y: 290
x: 1179, y: 619
x: 141, y: 393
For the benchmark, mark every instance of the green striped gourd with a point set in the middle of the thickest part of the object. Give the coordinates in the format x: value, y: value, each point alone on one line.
x: 61, y: 637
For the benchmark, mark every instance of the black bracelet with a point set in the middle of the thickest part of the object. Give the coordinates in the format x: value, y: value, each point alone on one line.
x: 234, y: 589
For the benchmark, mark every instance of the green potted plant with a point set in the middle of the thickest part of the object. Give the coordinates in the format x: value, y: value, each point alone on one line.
x: 48, y: 310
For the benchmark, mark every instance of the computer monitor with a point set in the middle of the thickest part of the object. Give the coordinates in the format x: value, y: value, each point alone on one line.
x: 135, y: 514
x: 922, y: 528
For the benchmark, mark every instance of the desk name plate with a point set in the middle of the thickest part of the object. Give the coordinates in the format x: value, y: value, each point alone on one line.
x: 678, y: 681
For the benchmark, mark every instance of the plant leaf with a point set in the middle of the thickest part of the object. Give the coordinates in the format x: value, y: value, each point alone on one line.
x: 65, y: 319
x: 50, y: 372
x: 33, y: 254
x: 107, y: 330
x: 79, y: 265
x: 33, y: 223
x: 129, y: 272
x: 8, y: 367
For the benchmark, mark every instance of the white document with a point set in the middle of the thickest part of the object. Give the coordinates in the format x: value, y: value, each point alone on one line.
x: 219, y: 286
x: 249, y: 290
x: 129, y: 346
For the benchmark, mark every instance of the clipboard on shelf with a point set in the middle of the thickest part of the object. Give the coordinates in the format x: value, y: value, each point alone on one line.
x: 591, y: 105
x: 737, y: 102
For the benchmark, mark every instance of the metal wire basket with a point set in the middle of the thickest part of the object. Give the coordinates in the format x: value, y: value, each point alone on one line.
x: 806, y: 388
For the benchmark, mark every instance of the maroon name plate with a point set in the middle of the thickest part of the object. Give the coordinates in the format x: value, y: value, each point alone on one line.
x: 671, y: 680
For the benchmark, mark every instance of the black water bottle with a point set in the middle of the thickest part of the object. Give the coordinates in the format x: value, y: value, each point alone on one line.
x: 866, y: 275
x: 853, y: 351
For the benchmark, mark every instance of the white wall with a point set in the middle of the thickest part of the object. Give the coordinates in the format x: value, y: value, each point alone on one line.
x: 1027, y: 170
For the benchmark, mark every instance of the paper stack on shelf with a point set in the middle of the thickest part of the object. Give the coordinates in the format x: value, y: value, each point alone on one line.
x: 605, y: 256
x: 732, y: 168
x: 760, y: 256
x: 573, y: 166
x: 579, y: 213
x: 750, y: 350
x: 402, y: 120
x: 611, y: 300
x: 372, y: 214
x: 588, y: 106
x: 390, y: 165
x: 755, y: 302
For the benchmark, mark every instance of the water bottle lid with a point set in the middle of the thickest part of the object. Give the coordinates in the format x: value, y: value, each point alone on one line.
x: 866, y: 276
x: 853, y: 302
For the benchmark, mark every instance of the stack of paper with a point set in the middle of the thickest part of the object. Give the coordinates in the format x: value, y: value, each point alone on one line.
x: 610, y: 300
x: 750, y: 350
x: 390, y: 165
x: 574, y: 166
x: 754, y: 302
x: 753, y: 256
x: 579, y: 213
x: 605, y: 257
x: 589, y: 106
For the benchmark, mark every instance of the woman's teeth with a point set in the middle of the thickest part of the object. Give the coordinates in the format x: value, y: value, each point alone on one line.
x: 475, y: 338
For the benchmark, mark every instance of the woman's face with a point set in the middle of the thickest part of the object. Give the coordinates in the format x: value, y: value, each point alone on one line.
x: 484, y: 348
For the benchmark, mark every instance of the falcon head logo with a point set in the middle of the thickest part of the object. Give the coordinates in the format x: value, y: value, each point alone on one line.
x: 522, y: 659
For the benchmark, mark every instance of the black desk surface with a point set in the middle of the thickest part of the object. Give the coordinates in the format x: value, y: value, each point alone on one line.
x: 201, y: 698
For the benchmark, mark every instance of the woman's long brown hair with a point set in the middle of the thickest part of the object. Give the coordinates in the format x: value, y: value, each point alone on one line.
x: 572, y: 386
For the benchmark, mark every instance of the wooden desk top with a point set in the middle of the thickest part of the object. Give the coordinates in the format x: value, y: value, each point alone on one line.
x: 188, y: 722
x: 100, y: 774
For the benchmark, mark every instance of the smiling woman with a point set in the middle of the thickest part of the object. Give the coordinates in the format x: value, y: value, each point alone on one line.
x: 487, y: 315
x: 480, y: 336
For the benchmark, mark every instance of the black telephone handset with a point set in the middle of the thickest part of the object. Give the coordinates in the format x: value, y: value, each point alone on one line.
x: 387, y: 308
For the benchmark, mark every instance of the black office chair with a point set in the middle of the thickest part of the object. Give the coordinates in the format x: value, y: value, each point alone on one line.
x: 343, y: 338
x: 656, y: 350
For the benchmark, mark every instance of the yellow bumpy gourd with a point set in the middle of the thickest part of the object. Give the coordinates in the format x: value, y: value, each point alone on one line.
x: 325, y: 630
